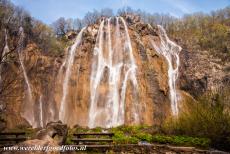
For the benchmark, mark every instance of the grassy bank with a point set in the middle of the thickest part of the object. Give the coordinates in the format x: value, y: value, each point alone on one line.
x: 145, y: 135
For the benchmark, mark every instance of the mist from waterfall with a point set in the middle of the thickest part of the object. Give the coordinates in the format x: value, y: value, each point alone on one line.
x: 28, y: 111
x: 69, y: 63
x: 170, y: 51
x: 113, y: 66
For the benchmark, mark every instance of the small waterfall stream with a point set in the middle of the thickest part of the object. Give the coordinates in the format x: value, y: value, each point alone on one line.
x: 4, y: 54
x: 69, y: 62
x: 28, y: 111
x: 41, y: 112
x: 170, y: 51
x: 6, y: 47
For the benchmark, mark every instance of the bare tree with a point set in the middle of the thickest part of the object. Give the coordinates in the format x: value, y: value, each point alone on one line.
x: 107, y: 12
x: 78, y: 24
x: 69, y: 24
x: 60, y: 26
x: 91, y: 17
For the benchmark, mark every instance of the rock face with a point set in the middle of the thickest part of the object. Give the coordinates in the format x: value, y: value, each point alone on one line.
x: 47, y: 75
x: 201, y: 71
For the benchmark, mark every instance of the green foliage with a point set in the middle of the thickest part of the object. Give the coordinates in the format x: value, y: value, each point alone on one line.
x: 30, y: 132
x: 84, y: 129
x: 144, y: 137
x: 121, y: 138
x: 97, y: 129
x: 182, y: 140
x: 135, y: 134
x: 13, y: 17
x: 208, y: 118
x: 204, y: 32
x: 132, y: 129
x: 69, y: 139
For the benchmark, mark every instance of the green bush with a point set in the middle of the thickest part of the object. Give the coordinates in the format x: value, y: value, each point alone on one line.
x: 120, y: 138
x: 182, y: 140
x: 135, y: 134
x: 209, y: 118
x: 144, y: 137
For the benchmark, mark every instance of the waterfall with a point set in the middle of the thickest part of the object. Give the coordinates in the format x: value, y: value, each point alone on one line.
x: 28, y: 113
x: 96, y: 75
x: 170, y: 51
x: 4, y: 54
x: 41, y: 111
x: 6, y: 47
x: 104, y: 88
x: 131, y: 73
x: 69, y: 62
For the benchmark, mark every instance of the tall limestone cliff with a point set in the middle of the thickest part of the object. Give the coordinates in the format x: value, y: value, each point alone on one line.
x: 146, y: 91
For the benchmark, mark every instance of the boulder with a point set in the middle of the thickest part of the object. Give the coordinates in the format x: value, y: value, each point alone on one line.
x: 55, y: 130
x: 71, y: 35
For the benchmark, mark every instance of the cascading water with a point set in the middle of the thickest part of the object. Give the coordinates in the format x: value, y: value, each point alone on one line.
x: 69, y: 62
x: 6, y: 48
x: 28, y: 111
x: 4, y: 54
x: 170, y: 51
x: 114, y: 92
x: 41, y: 111
x: 131, y: 72
x: 110, y: 73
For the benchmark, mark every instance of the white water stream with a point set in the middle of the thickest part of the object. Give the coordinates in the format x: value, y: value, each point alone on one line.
x: 4, y: 55
x: 29, y: 111
x: 170, y: 51
x: 108, y: 57
x: 69, y: 63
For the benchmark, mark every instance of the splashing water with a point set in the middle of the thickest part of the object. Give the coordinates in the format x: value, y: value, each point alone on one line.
x: 170, y: 51
x: 69, y: 63
x: 105, y: 89
x: 28, y: 113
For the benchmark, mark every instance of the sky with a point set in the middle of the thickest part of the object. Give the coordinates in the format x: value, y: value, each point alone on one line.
x: 50, y: 10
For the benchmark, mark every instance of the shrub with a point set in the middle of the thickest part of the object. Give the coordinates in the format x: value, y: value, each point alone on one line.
x: 209, y: 118
x: 182, y: 140
x: 135, y: 134
x: 144, y: 137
